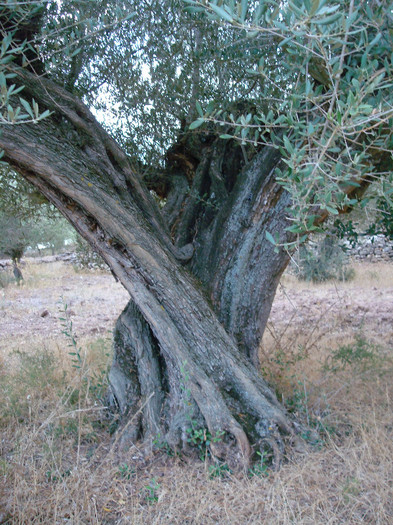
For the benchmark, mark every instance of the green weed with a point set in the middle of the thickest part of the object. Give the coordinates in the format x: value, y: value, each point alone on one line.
x: 68, y: 331
x: 351, y: 489
x: 219, y: 470
x: 261, y: 467
x: 163, y: 446
x: 125, y: 471
x: 150, y: 491
x: 201, y: 439
x: 361, y: 354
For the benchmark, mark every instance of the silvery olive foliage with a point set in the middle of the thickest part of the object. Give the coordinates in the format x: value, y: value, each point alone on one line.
x: 14, y: 109
x: 325, y: 99
x: 141, y: 64
x: 312, y: 78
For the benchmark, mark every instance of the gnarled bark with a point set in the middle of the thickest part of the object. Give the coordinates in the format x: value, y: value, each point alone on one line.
x: 200, y: 275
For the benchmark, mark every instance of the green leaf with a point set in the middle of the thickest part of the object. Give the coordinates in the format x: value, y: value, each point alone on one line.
x: 374, y: 41
x: 10, y: 112
x: 285, y: 41
x: 221, y: 13
x: 288, y: 145
x: 27, y: 107
x: 191, y: 10
x: 45, y: 114
x: 270, y: 238
x: 328, y: 20
x: 36, y: 109
x: 210, y: 107
x: 315, y: 6
x: 226, y: 136
x: 130, y: 15
x: 331, y: 210
x: 296, y: 228
x: 244, y: 8
x: 76, y: 52
x: 296, y: 10
x: 199, y: 109
x: 352, y: 183
x: 325, y: 10
x: 197, y: 123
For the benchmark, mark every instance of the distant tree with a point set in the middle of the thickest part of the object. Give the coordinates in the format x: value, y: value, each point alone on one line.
x: 27, y: 219
x: 86, y: 257
x: 323, y: 261
x: 51, y: 233
x: 13, y: 237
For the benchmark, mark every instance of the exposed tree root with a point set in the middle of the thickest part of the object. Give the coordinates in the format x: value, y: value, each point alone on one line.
x: 172, y: 401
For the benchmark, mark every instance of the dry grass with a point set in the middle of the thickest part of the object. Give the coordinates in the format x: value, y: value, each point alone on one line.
x: 59, y: 463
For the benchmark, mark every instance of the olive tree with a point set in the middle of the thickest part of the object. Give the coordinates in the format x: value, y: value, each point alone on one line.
x: 250, y: 123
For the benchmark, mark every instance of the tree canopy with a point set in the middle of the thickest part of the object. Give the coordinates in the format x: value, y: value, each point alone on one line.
x: 312, y: 78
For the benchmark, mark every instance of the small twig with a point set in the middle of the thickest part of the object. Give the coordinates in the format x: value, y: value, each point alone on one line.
x: 80, y: 410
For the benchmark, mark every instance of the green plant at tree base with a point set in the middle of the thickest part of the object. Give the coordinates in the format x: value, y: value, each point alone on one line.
x: 56, y: 477
x: 163, y: 446
x: 219, y: 470
x: 150, y: 491
x: 125, y: 471
x: 201, y: 438
x: 261, y: 467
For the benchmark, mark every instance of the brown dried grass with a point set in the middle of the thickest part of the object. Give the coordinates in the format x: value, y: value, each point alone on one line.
x: 59, y: 464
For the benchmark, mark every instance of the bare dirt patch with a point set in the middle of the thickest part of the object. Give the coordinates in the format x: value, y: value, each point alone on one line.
x: 333, y: 312
x: 30, y: 312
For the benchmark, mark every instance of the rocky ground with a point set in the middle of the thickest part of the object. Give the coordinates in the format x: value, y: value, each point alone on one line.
x: 366, y: 304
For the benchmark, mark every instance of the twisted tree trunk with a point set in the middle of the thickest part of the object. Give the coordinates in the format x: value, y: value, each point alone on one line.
x: 200, y: 274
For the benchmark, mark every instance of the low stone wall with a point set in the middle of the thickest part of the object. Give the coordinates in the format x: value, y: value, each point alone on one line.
x: 371, y: 248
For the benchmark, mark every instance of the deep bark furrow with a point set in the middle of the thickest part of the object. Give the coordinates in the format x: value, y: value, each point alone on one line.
x: 136, y: 364
x: 237, y: 267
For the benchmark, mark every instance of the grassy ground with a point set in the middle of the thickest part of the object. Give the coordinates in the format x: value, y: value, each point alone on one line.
x: 328, y: 353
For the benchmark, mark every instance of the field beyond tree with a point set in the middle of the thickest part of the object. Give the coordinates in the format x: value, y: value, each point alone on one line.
x: 327, y: 352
